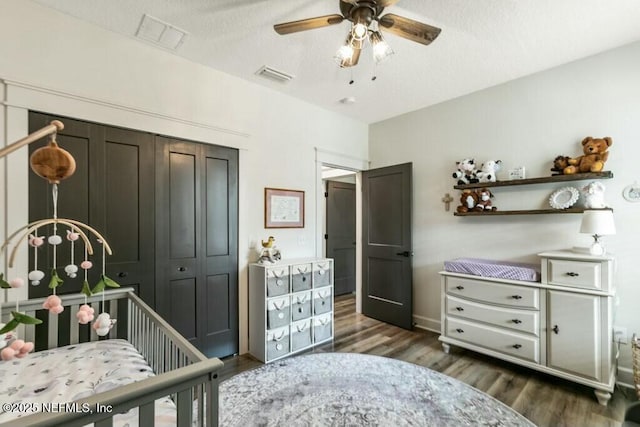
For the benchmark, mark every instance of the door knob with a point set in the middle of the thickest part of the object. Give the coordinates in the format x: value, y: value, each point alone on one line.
x: 182, y: 269
x: 404, y: 254
x: 122, y: 274
x: 555, y: 329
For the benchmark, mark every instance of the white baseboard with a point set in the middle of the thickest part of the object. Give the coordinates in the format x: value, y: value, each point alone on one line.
x: 427, y: 324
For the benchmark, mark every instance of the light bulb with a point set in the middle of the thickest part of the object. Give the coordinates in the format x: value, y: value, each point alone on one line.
x: 359, y: 31
x: 381, y: 50
x: 344, y: 54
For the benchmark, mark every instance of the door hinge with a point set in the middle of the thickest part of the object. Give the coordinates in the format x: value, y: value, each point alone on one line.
x: 326, y: 237
x: 326, y: 194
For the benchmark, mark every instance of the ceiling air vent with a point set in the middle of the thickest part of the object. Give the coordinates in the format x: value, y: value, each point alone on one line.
x: 160, y: 33
x: 273, y: 74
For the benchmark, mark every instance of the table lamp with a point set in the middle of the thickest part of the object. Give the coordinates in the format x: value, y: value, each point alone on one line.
x: 598, y: 223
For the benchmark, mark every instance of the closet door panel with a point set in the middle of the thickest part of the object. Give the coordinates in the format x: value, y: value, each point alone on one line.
x: 177, y: 232
x: 220, y: 250
x: 183, y: 307
x: 182, y: 204
x: 217, y: 213
x: 128, y: 209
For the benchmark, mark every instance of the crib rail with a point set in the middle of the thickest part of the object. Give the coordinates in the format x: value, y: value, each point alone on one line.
x: 182, y: 371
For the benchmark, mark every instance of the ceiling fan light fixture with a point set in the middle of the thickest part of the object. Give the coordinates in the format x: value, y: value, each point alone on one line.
x: 381, y: 49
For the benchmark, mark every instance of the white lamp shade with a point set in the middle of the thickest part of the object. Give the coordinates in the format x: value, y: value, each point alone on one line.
x: 598, y: 222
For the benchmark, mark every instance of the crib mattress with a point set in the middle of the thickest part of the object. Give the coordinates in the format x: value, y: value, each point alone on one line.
x: 77, y: 371
x: 491, y: 268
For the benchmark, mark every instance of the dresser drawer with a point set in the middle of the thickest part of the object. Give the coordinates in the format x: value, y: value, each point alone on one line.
x: 494, y: 293
x: 579, y: 274
x: 527, y: 321
x: 503, y: 341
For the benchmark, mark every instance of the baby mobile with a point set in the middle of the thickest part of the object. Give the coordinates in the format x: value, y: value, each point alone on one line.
x: 54, y: 164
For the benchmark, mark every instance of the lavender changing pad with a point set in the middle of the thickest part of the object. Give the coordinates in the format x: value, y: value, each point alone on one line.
x: 491, y: 268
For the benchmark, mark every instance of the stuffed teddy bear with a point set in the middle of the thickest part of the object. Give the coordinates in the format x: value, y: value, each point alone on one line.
x: 468, y: 200
x: 484, y: 201
x: 559, y: 164
x: 466, y: 173
x: 594, y: 195
x: 594, y: 157
x: 489, y: 170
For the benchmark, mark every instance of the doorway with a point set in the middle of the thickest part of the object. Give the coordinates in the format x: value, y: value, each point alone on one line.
x: 339, y: 226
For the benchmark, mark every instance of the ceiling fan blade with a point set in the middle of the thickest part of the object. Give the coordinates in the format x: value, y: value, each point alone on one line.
x: 307, y: 24
x: 354, y: 59
x: 408, y: 28
x: 386, y: 3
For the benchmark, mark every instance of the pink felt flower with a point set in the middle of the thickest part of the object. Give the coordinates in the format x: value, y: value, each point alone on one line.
x: 53, y: 303
x: 18, y: 349
x: 86, y: 264
x: 85, y: 314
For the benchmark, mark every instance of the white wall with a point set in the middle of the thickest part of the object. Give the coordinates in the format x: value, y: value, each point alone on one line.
x: 54, y: 63
x: 524, y: 122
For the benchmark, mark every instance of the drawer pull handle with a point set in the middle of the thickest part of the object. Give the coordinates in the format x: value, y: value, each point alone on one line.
x: 516, y: 297
x: 182, y: 269
x: 555, y: 329
x: 516, y: 346
x: 459, y: 331
x: 459, y: 308
x: 572, y: 274
x: 459, y: 287
x: 123, y: 274
x: 517, y: 321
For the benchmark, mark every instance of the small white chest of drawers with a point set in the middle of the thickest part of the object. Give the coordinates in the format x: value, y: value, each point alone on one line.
x: 561, y: 325
x: 290, y: 307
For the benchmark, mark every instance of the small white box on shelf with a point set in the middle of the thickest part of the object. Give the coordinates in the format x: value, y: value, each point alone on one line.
x: 517, y: 173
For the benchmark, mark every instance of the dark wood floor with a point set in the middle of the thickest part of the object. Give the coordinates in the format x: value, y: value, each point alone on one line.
x: 543, y: 399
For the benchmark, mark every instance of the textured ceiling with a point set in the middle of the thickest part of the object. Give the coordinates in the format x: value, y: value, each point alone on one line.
x: 483, y: 43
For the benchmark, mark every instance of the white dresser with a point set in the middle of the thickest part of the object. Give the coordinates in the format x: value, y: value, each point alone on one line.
x: 290, y: 307
x: 561, y: 326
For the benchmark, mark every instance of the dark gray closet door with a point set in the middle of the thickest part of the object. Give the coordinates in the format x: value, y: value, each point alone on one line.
x: 196, y: 242
x: 112, y: 190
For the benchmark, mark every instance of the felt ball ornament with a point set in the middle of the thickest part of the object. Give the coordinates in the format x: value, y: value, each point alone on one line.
x: 54, y: 240
x: 72, y: 236
x: 71, y: 270
x: 18, y: 349
x: 85, y: 314
x: 35, y: 241
x: 17, y: 282
x: 103, y: 324
x: 35, y: 276
x: 53, y: 303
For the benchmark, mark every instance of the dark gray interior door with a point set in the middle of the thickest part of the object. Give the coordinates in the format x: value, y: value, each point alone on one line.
x: 341, y: 234
x: 196, y: 243
x: 112, y: 190
x: 386, y: 258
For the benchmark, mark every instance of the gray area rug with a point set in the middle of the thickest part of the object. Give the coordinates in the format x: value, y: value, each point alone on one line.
x: 347, y: 389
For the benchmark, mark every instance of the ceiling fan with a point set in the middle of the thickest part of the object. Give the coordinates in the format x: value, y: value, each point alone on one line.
x: 366, y: 22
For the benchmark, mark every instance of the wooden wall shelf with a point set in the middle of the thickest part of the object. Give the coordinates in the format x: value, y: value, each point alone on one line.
x: 542, y: 180
x: 525, y: 212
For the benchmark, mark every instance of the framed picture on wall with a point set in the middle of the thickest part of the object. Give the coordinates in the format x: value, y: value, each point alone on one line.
x: 283, y: 208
